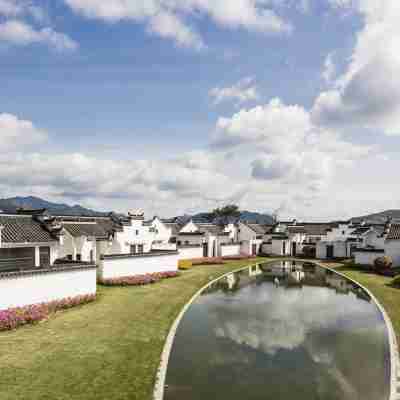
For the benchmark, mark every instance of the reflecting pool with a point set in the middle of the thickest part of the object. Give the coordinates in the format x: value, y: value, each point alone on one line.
x: 280, y: 331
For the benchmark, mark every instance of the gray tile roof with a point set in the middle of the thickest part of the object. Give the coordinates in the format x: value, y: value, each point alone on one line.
x: 260, y: 229
x: 394, y: 233
x: 86, y: 229
x: 23, y: 229
x: 316, y: 229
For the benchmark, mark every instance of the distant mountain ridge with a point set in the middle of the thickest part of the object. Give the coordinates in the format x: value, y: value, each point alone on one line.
x: 250, y: 217
x: 13, y: 203
x: 380, y: 217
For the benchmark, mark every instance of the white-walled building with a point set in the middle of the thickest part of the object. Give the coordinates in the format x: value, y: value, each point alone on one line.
x: 25, y: 243
x: 251, y: 238
x: 214, y: 239
x: 392, y: 244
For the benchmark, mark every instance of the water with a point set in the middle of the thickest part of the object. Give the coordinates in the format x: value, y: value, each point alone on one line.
x: 314, y: 336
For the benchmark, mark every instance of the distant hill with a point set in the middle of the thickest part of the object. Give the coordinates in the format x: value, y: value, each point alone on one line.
x: 245, y: 216
x: 379, y: 218
x: 13, y: 203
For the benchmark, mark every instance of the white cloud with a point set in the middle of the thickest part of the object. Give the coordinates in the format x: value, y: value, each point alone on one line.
x: 283, y: 147
x: 170, y: 26
x: 243, y: 91
x: 16, y: 133
x: 368, y: 93
x: 164, y: 17
x: 22, y: 34
x: 329, y: 71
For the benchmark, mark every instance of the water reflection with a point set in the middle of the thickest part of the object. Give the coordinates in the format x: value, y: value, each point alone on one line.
x: 305, y: 338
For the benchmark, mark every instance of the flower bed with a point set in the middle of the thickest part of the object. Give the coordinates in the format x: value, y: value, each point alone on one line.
x: 137, y: 280
x: 13, y: 318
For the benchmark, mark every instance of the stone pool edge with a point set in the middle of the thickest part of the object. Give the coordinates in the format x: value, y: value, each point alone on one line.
x: 394, y: 350
x: 159, y: 386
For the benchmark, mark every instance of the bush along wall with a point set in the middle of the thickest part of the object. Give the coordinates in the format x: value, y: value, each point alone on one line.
x: 138, y: 280
x: 13, y: 318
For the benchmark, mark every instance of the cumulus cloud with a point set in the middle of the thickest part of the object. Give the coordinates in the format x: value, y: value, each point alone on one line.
x: 283, y: 146
x: 15, y: 132
x: 164, y: 17
x: 243, y: 91
x: 368, y: 93
x: 329, y: 71
x: 20, y: 33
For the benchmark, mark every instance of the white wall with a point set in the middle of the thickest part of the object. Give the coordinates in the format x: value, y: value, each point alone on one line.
x: 45, y: 287
x: 163, y: 246
x: 187, y: 253
x: 162, y: 233
x: 321, y: 250
x: 77, y: 245
x: 137, y: 265
x: 190, y: 227
x: 246, y: 246
x: 230, y: 250
x: 277, y: 247
x: 366, y: 258
x: 392, y: 249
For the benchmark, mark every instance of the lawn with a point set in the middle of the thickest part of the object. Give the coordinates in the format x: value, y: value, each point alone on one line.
x: 109, y: 349
x: 380, y: 287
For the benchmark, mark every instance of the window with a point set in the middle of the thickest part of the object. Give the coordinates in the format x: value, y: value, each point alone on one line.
x: 140, y: 248
x: 186, y: 242
x: 137, y: 232
x: 343, y: 232
x: 179, y: 242
x: 78, y: 257
x: 69, y: 257
x: 133, y: 249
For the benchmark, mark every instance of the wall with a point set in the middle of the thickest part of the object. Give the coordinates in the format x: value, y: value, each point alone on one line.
x: 162, y: 233
x: 130, y: 265
x: 392, y: 249
x: 277, y: 247
x: 266, y: 248
x: 230, y: 250
x: 366, y: 257
x: 246, y: 246
x: 34, y: 288
x: 321, y: 250
x: 163, y: 246
x: 186, y: 253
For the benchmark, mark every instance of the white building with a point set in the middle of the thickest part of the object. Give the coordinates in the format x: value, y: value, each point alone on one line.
x: 392, y: 244
x: 251, y: 237
x: 215, y: 239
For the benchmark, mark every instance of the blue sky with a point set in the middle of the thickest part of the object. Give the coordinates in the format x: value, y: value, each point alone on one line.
x: 174, y: 106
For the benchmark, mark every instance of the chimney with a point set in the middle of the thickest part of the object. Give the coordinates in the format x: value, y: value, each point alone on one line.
x: 1, y: 231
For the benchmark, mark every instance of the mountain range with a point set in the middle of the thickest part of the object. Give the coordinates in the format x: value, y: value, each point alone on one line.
x: 13, y: 203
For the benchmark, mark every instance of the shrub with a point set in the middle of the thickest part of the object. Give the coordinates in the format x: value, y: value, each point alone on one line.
x: 382, y: 263
x: 238, y: 257
x: 185, y: 264
x: 138, y: 280
x: 309, y: 251
x: 207, y: 261
x: 13, y: 318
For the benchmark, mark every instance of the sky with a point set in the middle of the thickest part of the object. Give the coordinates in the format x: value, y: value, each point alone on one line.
x: 177, y: 106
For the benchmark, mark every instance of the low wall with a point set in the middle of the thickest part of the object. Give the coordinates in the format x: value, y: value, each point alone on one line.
x: 164, y: 246
x: 116, y: 266
x: 18, y: 289
x: 189, y: 252
x: 230, y: 250
x: 366, y: 257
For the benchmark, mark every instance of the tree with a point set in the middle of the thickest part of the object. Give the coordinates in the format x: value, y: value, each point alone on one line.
x: 225, y: 213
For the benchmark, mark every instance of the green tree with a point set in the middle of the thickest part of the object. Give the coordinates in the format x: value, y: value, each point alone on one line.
x: 223, y: 214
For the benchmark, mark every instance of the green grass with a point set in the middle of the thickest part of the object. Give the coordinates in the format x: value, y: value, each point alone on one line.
x: 381, y: 287
x: 109, y: 349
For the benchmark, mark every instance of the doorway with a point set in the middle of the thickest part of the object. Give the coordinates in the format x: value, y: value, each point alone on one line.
x: 294, y: 249
x: 329, y: 251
